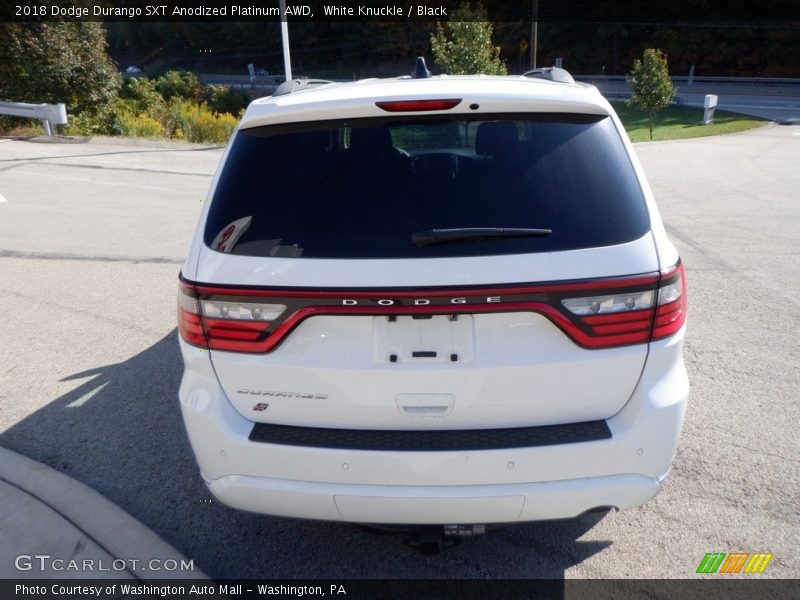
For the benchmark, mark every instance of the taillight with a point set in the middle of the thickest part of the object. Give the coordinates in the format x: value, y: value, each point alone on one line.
x: 598, y: 313
x: 631, y: 317
x: 241, y: 311
x: 190, y: 326
x: 671, y: 305
x: 236, y: 324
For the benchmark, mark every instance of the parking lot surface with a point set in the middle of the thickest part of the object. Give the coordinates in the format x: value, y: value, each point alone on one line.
x: 92, y: 236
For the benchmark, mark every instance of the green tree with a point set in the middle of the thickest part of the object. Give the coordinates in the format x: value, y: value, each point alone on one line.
x: 650, y: 83
x: 464, y: 46
x: 57, y: 62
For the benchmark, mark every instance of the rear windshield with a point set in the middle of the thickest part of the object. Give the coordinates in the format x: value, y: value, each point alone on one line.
x: 363, y: 188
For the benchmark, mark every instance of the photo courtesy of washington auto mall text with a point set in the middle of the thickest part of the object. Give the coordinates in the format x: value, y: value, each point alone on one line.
x: 164, y: 589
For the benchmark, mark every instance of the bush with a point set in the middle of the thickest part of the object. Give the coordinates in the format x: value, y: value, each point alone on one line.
x: 142, y: 111
x: 103, y: 121
x: 224, y: 99
x: 180, y: 84
x: 85, y: 123
x: 197, y: 123
x: 20, y: 127
x: 141, y: 96
x: 141, y: 125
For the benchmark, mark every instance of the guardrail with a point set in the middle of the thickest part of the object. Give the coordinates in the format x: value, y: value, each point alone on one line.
x: 707, y: 79
x: 243, y: 82
x: 742, y: 86
x: 48, y: 114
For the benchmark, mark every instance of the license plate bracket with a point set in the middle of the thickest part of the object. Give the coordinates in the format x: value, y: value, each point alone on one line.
x: 439, y: 339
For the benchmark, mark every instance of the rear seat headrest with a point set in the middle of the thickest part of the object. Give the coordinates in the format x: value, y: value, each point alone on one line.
x: 496, y: 138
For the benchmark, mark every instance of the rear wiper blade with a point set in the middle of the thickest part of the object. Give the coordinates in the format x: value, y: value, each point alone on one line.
x: 473, y: 234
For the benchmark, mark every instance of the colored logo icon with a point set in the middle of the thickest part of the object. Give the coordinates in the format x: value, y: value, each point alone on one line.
x: 734, y: 562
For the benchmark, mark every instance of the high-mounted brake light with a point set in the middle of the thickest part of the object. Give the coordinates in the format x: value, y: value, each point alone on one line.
x: 598, y: 313
x: 418, y: 105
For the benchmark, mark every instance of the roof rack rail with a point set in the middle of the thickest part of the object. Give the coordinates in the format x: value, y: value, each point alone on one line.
x: 294, y: 85
x: 551, y: 74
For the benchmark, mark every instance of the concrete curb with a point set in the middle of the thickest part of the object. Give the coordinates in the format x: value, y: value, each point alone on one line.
x: 52, y: 511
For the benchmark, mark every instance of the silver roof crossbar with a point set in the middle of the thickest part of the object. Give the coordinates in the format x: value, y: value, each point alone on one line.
x: 551, y: 74
x: 287, y: 87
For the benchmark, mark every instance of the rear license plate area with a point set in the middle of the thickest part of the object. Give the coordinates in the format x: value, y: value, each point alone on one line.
x: 419, y: 339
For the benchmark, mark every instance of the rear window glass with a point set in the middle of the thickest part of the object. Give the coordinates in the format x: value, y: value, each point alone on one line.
x: 363, y: 188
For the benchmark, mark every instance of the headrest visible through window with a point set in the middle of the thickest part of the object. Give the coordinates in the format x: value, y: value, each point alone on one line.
x: 496, y: 138
x: 371, y: 139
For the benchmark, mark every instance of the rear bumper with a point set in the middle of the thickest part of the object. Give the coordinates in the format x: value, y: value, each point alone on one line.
x: 418, y: 505
x: 483, y: 486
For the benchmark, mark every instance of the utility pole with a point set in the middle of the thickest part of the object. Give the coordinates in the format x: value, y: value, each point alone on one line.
x: 287, y: 59
x: 534, y: 31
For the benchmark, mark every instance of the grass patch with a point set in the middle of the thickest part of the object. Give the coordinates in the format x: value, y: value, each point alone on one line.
x: 680, y: 122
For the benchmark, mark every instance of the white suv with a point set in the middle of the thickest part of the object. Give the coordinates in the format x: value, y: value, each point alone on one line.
x: 433, y: 300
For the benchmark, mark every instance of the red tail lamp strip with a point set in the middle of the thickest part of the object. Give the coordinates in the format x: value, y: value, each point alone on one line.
x: 670, y: 317
x: 590, y: 331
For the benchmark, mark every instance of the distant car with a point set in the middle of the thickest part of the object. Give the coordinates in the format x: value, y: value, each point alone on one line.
x: 132, y: 70
x: 263, y: 72
x: 455, y: 304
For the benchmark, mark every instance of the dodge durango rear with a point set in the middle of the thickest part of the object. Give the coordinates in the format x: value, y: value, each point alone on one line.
x: 440, y: 301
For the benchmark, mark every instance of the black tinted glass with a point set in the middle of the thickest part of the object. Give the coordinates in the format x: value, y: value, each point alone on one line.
x: 360, y: 189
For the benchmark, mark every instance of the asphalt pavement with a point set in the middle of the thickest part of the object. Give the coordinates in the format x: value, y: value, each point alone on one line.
x: 91, y: 240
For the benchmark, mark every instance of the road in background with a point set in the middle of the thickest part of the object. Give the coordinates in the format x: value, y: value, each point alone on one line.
x: 773, y: 99
x: 91, y: 241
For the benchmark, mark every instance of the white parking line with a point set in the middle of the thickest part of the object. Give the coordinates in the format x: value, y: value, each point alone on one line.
x: 2, y: 199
